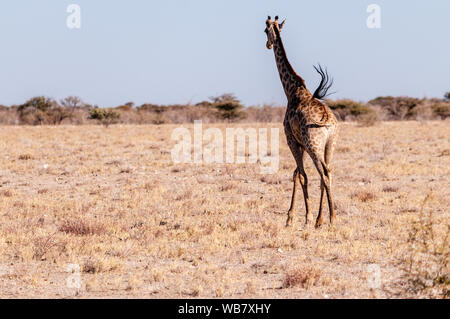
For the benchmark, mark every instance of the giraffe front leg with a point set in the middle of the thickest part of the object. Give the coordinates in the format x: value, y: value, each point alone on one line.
x: 304, y: 182
x: 294, y: 192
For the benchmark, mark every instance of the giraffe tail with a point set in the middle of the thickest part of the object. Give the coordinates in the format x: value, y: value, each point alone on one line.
x: 325, y: 83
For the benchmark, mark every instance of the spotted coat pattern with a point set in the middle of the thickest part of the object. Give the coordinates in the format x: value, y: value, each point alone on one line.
x: 310, y: 126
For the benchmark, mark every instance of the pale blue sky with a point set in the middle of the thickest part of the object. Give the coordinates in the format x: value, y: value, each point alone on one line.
x: 180, y: 51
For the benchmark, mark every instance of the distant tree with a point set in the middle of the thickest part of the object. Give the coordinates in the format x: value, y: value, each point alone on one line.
x: 223, y: 98
x: 228, y: 106
x: 42, y: 110
x: 72, y: 102
x: 41, y: 103
x: 447, y: 96
x: 104, y: 116
x: 399, y: 108
x: 204, y: 104
x: 126, y: 107
x: 150, y: 107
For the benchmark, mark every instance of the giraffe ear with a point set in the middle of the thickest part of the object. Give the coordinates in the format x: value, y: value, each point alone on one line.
x: 282, y: 24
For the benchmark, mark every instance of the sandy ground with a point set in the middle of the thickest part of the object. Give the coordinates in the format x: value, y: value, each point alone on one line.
x: 107, y: 208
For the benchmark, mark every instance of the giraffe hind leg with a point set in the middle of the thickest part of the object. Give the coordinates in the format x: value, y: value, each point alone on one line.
x: 294, y: 193
x: 299, y: 175
x: 329, y: 148
x: 319, y: 216
x: 304, y: 182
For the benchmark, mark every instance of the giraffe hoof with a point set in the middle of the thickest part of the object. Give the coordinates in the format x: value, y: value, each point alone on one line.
x: 289, y: 222
x: 318, y: 224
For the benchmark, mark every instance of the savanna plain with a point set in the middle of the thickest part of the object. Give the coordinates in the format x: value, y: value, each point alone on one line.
x: 110, y: 207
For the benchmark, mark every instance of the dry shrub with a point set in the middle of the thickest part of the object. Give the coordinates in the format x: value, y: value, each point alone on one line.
x: 219, y: 292
x: 42, y: 191
x: 271, y: 230
x: 423, y: 112
x: 364, y: 196
x: 250, y: 287
x: 224, y: 108
x: 343, y: 149
x: 82, y: 227
x: 25, y: 157
x: 398, y: 108
x: 208, y: 228
x: 427, y: 267
x: 44, y: 244
x: 442, y: 110
x: 265, y: 114
x: 368, y: 119
x: 184, y: 196
x: 43, y: 110
x: 271, y: 179
x: 8, y: 115
x: 6, y: 193
x: 92, y: 266
x: 226, y: 187
x: 114, y: 162
x: 303, y: 277
x: 390, y: 189
x: 445, y: 152
x: 196, y: 291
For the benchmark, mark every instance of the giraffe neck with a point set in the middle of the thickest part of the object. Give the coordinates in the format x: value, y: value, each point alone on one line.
x: 289, y: 78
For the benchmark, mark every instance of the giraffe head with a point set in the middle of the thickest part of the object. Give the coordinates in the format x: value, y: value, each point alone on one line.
x: 272, y: 31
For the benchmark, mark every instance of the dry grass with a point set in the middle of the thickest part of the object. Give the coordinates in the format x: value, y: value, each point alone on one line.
x: 428, y: 269
x: 364, y: 196
x: 304, y: 277
x: 138, y: 225
x: 82, y: 227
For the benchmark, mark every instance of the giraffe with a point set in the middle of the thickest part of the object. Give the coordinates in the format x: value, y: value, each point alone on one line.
x: 309, y: 125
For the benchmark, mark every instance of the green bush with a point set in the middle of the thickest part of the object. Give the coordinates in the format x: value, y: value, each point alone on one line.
x: 104, y: 116
x: 442, y: 110
x: 42, y: 110
x: 228, y: 106
x: 345, y: 107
